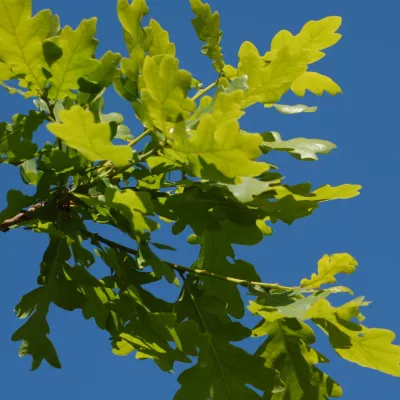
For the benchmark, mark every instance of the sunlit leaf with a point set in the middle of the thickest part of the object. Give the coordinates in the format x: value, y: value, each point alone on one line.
x: 21, y: 39
x: 79, y: 131
x: 301, y: 148
x: 207, y: 26
x: 315, y: 83
x: 328, y: 267
x: 76, y: 61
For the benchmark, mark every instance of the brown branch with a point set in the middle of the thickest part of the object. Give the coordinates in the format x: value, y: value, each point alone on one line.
x: 19, y: 218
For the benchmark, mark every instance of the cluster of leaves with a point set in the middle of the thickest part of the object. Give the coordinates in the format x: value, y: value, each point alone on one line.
x: 226, y: 193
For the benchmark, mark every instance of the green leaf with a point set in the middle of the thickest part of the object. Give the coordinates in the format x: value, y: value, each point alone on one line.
x: 368, y: 347
x: 93, y: 85
x: 16, y: 139
x: 207, y: 27
x: 300, y: 148
x: 130, y: 16
x: 328, y: 267
x: 79, y: 131
x: 213, y: 257
x: 315, y: 83
x: 275, y: 306
x: 29, y: 173
x: 76, y: 61
x: 268, y: 82
x: 164, y: 92
x: 296, y: 109
x: 133, y: 206
x: 248, y: 188
x: 21, y: 39
x: 313, y: 37
x: 16, y: 202
x: 287, y: 351
x: 34, y: 332
x: 147, y: 257
x: 157, y: 40
x: 217, y: 151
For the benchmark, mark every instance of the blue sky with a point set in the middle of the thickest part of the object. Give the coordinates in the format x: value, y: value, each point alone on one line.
x: 363, y: 122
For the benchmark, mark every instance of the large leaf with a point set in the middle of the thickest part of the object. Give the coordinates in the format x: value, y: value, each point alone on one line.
x: 287, y: 350
x: 207, y: 26
x: 368, y: 347
x: 217, y: 151
x: 79, y: 131
x: 223, y: 371
x: 328, y: 267
x: 21, y: 39
x: 76, y: 61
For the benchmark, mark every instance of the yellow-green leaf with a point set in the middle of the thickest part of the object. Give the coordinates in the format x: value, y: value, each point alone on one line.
x: 314, y: 36
x: 316, y: 83
x: 79, y: 131
x: 5, y: 72
x: 324, y: 193
x: 76, y: 61
x: 157, y: 40
x: 368, y: 347
x: 164, y: 91
x: 373, y: 348
x: 319, y: 35
x: 217, y: 151
x: 328, y: 267
x: 268, y: 82
x: 21, y: 39
x: 130, y: 16
x: 133, y: 206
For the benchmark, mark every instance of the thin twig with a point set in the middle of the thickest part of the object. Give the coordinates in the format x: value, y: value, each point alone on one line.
x: 194, y: 271
x: 204, y: 91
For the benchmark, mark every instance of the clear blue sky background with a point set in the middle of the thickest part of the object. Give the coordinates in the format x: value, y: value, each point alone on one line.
x: 363, y: 122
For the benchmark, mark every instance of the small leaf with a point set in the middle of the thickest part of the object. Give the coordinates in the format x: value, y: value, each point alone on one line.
x: 302, y: 148
x: 207, y: 26
x: 157, y: 40
x: 29, y: 173
x: 328, y: 267
x: 297, y: 109
x: 133, y: 206
x: 315, y: 83
x: 130, y: 16
x: 79, y: 131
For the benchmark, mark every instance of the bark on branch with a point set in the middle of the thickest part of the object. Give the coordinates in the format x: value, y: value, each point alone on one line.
x: 19, y: 218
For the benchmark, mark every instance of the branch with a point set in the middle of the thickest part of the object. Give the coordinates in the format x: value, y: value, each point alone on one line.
x: 204, y: 91
x: 198, y: 272
x: 19, y: 218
